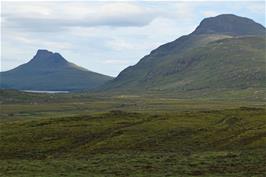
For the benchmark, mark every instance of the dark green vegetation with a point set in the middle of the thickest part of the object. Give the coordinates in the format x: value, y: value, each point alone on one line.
x: 130, y: 135
x: 50, y: 71
x: 210, y: 121
x: 225, y: 53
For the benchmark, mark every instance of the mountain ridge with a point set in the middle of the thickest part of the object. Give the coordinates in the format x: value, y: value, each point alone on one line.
x: 169, y: 66
x: 234, y: 46
x: 51, y: 71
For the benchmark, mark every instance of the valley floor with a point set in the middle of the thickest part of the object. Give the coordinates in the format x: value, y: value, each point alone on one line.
x: 132, y: 136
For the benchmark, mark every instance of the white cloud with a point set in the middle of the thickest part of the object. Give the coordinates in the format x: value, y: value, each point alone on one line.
x: 210, y: 13
x: 58, y: 16
x: 97, y: 35
x: 113, y: 61
x: 257, y: 7
x: 119, y: 44
x: 40, y: 43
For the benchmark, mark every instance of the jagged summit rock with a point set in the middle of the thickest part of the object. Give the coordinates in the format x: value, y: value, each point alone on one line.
x: 229, y: 24
x: 47, y: 58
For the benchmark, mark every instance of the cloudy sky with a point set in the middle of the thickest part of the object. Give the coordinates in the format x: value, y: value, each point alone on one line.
x: 102, y: 36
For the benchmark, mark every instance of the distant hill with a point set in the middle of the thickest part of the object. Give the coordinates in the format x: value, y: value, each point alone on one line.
x: 50, y: 71
x: 224, y: 52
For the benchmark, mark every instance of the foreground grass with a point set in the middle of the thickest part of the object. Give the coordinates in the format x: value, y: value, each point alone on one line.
x: 196, y: 142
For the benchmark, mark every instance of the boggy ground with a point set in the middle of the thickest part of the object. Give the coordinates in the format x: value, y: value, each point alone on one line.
x: 132, y: 136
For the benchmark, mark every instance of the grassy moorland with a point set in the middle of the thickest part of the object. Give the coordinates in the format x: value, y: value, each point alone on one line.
x: 130, y: 135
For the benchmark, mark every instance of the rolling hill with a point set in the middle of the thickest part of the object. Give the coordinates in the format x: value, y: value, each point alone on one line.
x: 226, y: 52
x: 50, y: 71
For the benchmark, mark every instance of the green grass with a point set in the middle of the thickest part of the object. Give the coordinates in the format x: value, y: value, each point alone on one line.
x: 133, y: 136
x: 200, y: 66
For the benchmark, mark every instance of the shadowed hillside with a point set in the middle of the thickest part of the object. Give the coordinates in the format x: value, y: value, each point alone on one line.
x: 50, y: 71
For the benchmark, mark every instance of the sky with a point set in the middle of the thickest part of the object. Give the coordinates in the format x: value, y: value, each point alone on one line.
x: 105, y: 36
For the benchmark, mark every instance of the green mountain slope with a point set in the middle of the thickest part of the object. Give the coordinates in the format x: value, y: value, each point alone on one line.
x: 50, y: 71
x: 217, y: 55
